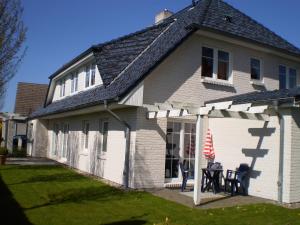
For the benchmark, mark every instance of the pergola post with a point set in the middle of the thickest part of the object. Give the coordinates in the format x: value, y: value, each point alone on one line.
x: 198, y: 172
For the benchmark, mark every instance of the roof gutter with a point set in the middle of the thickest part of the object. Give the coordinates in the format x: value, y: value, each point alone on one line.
x: 127, y: 147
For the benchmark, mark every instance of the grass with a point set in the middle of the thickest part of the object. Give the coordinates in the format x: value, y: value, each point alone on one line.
x: 54, y: 195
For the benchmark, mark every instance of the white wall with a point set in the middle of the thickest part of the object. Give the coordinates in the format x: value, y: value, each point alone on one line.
x: 253, y: 142
x: 178, y: 77
x: 109, y: 165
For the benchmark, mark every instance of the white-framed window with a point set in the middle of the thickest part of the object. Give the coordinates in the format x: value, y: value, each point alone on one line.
x: 55, y: 140
x: 104, y: 134
x: 216, y: 64
x: 287, y: 77
x: 74, y: 82
x: 62, y: 83
x: 65, y: 141
x: 90, y: 75
x: 256, y: 69
x: 85, y: 133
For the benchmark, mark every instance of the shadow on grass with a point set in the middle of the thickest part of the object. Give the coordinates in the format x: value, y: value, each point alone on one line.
x: 127, y: 222
x: 57, y: 177
x: 11, y: 212
x: 77, y: 195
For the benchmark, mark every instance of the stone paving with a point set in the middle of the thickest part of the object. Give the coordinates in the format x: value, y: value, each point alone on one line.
x: 209, y: 200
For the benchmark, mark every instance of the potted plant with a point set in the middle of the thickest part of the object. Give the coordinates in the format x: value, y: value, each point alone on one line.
x: 3, y: 155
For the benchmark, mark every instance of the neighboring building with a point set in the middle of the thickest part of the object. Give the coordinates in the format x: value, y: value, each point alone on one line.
x: 125, y: 110
x: 29, y: 98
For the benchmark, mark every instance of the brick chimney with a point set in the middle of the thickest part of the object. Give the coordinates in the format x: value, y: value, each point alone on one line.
x: 162, y: 15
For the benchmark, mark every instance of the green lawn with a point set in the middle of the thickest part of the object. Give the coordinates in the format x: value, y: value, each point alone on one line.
x: 55, y: 195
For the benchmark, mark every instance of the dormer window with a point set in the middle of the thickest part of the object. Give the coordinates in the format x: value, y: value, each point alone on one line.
x: 74, y: 82
x: 62, y: 83
x: 90, y: 75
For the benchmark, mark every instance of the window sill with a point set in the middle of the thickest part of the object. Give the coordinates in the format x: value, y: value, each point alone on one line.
x: 101, y: 157
x: 216, y: 82
x: 257, y: 82
x: 83, y: 153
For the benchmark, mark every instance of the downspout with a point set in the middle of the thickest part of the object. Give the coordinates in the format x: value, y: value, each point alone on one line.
x: 281, y: 157
x: 127, y: 147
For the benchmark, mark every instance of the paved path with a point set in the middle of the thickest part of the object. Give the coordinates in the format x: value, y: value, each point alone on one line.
x: 208, y: 200
x: 30, y: 161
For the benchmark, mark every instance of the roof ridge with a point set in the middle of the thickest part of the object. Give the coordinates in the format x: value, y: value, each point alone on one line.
x: 132, y: 34
x: 166, y: 22
x: 258, y: 23
x: 141, y: 53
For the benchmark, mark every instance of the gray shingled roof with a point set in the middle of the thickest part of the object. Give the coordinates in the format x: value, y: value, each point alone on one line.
x: 262, y: 96
x: 124, y: 62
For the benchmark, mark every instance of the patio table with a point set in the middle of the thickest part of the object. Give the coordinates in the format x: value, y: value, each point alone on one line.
x: 213, y: 179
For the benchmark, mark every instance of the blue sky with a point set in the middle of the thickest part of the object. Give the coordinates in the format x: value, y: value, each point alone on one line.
x: 58, y: 30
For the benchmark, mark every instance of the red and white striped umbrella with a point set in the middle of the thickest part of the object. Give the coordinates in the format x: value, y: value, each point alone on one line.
x: 208, y: 150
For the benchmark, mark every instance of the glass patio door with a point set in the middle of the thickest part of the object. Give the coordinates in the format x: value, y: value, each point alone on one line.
x: 172, y: 150
x: 189, y: 147
x: 180, y: 147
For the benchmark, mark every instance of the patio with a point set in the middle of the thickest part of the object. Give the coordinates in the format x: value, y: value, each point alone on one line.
x: 209, y: 200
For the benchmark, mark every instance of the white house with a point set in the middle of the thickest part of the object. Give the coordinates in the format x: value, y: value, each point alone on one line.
x: 126, y: 110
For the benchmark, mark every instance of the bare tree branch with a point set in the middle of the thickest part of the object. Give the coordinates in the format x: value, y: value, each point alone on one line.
x: 12, y: 37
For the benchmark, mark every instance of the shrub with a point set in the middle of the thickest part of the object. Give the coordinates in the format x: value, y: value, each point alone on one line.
x: 3, y: 151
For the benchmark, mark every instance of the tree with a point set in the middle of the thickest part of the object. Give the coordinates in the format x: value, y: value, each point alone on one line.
x: 12, y: 37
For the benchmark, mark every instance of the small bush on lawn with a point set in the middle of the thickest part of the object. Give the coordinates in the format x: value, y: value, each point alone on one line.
x: 18, y: 153
x: 3, y: 151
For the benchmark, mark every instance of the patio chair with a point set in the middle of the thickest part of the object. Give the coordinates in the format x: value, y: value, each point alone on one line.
x: 231, y: 178
x: 234, y: 178
x: 242, y: 177
x: 185, y: 174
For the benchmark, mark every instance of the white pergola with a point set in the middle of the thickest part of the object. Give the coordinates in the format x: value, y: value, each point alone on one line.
x: 214, y: 110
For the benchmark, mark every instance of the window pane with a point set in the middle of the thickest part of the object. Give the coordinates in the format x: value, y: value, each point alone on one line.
x: 223, y: 68
x: 223, y: 56
x: 255, y: 74
x: 223, y: 65
x: 76, y: 82
x: 208, y: 52
x: 87, y: 76
x: 105, y: 134
x: 187, y: 127
x: 93, y: 75
x: 282, y: 77
x: 207, y: 67
x: 168, y: 168
x: 72, y: 83
x: 177, y: 127
x: 255, y: 69
x: 172, y: 150
x: 87, y: 130
x: 207, y: 62
x: 292, y: 78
